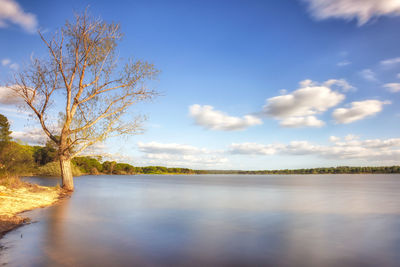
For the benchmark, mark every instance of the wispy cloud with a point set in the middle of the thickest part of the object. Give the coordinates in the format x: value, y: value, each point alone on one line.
x: 373, y: 150
x: 212, y: 119
x: 392, y: 87
x: 358, y: 111
x: 5, y: 61
x: 343, y: 63
x: 363, y: 10
x: 298, y: 109
x: 8, y: 97
x: 368, y: 75
x: 34, y: 136
x: 390, y: 61
x: 14, y: 112
x: 170, y: 148
x: 255, y: 149
x: 12, y: 12
x: 339, y: 148
x: 8, y: 63
x: 340, y: 84
x: 14, y: 66
x: 180, y: 155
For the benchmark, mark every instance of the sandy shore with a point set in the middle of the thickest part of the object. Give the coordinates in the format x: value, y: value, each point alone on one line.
x: 27, y: 197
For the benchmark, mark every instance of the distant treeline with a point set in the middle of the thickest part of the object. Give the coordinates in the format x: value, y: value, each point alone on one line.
x: 91, y: 165
x: 330, y: 170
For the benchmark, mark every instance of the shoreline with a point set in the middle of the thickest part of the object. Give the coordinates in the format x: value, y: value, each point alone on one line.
x: 14, y: 201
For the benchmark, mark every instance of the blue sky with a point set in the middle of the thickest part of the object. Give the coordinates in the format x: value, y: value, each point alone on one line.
x: 244, y: 84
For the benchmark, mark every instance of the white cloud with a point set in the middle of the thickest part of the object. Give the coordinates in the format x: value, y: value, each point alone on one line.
x: 372, y: 150
x: 368, y: 75
x: 398, y: 75
x: 390, y: 61
x: 180, y: 155
x: 307, y: 121
x: 212, y: 119
x: 343, y: 63
x: 392, y: 87
x: 299, y: 108
x: 34, y: 136
x: 362, y: 10
x: 358, y: 110
x: 11, y: 11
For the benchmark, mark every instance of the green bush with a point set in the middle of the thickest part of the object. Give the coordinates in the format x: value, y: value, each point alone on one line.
x: 53, y: 169
x: 15, y: 159
x: 88, y: 165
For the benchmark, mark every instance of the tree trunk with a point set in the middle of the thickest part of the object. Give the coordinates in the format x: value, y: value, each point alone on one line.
x: 66, y: 174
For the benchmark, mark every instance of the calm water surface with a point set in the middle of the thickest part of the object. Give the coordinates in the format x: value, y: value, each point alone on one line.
x: 215, y: 220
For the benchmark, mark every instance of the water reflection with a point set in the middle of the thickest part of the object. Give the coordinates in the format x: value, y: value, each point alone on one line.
x: 216, y: 220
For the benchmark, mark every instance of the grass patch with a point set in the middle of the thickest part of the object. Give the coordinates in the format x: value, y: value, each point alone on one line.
x: 12, y: 181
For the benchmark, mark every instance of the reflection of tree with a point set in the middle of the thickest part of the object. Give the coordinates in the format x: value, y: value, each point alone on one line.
x: 55, y: 236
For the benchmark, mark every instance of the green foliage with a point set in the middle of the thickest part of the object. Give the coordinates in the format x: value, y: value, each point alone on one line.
x: 124, y: 168
x: 88, y: 165
x: 4, y: 129
x: 16, y: 159
x: 165, y: 170
x: 108, y: 167
x: 53, y: 169
x: 46, y: 154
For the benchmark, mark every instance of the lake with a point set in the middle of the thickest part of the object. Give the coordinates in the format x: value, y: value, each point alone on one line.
x: 215, y: 220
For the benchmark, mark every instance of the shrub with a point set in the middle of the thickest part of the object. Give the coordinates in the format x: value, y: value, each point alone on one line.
x: 11, y: 181
x: 53, y: 169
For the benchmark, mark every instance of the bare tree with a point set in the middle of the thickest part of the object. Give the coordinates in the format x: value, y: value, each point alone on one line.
x: 81, y: 76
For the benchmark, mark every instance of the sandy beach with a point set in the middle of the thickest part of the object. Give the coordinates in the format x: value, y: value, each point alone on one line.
x: 15, y: 200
